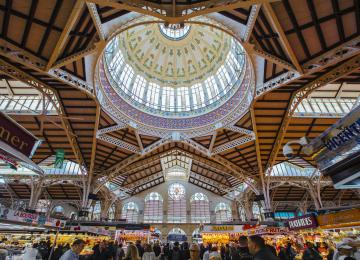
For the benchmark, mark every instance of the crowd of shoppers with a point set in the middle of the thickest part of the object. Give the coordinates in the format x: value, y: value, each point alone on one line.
x: 247, y: 248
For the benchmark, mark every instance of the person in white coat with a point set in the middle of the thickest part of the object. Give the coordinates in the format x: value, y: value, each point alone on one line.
x: 31, y: 253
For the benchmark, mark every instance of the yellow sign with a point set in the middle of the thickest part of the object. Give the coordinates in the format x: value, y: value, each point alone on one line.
x: 341, y: 219
x: 222, y: 228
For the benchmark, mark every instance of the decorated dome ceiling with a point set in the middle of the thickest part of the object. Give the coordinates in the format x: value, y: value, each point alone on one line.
x: 177, y: 78
x: 174, y: 60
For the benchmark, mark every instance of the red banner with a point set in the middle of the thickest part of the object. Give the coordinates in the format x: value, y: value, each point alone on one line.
x: 16, y: 136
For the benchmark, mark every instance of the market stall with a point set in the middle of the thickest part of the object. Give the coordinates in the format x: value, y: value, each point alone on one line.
x: 221, y: 234
x: 127, y: 236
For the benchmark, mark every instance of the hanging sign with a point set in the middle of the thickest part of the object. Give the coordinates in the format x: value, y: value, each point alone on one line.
x: 16, y: 136
x: 222, y: 228
x: 340, y: 219
x: 268, y: 231
x: 303, y: 222
x: 29, y: 218
x: 59, y: 158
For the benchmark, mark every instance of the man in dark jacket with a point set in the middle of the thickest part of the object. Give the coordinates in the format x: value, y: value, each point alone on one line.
x: 139, y: 248
x: 175, y: 253
x: 258, y: 249
x: 243, y: 249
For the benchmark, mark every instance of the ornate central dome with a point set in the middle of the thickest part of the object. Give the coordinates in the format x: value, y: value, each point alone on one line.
x: 173, y: 57
x: 190, y: 75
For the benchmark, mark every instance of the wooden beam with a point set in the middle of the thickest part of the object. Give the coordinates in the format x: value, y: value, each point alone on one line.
x: 197, y: 9
x: 283, y: 39
x: 98, y: 46
x: 76, y: 10
x: 212, y: 142
x: 138, y: 138
x: 50, y: 93
x: 334, y: 74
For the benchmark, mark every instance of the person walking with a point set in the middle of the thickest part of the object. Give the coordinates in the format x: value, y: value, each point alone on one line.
x: 311, y: 253
x: 175, y: 253
x: 185, y: 251
x: 157, y: 249
x: 75, y: 250
x: 243, y: 249
x: 32, y: 253
x: 139, y: 248
x: 259, y: 250
x: 148, y: 253
x: 194, y: 252
x: 120, y: 254
x: 132, y: 253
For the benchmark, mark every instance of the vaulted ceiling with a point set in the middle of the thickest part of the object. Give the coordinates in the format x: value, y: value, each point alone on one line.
x: 48, y: 45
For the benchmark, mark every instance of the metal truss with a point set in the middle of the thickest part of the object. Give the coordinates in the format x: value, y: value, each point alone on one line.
x: 232, y: 144
x: 145, y: 180
x: 23, y: 57
x: 211, y: 182
x: 251, y: 22
x: 276, y: 82
x: 52, y: 95
x: 272, y: 59
x: 110, y: 129
x: 96, y: 47
x: 96, y: 19
x: 237, y: 170
x: 177, y: 13
x: 196, y: 146
x: 342, y: 52
x: 240, y: 130
x: 119, y: 143
x: 334, y: 74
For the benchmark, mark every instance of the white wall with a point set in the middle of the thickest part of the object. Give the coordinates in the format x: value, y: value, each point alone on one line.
x: 190, y: 190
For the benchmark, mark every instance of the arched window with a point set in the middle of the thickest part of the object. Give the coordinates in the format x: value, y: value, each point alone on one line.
x: 59, y: 210
x: 73, y: 215
x: 43, y: 206
x: 96, y: 211
x: 112, y: 212
x: 200, y: 210
x: 153, y: 212
x: 256, y: 211
x: 222, y: 213
x: 242, y: 214
x: 130, y: 212
x: 177, y: 203
x: 177, y: 234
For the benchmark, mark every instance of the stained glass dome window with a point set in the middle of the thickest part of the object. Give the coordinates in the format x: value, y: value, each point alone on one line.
x: 176, y: 191
x: 174, y: 31
x: 189, y: 79
x: 194, y: 72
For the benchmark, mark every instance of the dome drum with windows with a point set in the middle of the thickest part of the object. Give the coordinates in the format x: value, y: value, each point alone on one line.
x: 179, y: 78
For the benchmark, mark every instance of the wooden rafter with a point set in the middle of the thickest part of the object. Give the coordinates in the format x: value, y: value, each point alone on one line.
x: 78, y: 7
x: 337, y: 72
x: 18, y: 74
x: 283, y: 39
x: 201, y: 8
